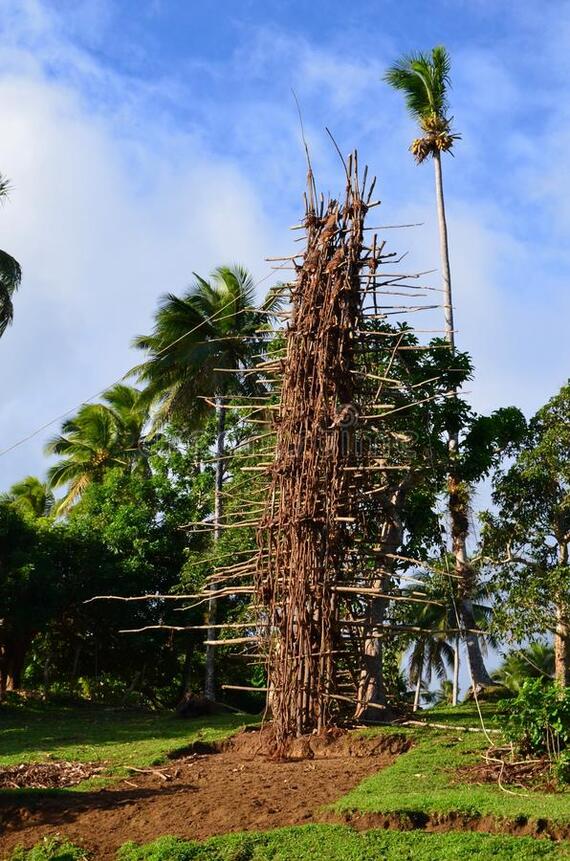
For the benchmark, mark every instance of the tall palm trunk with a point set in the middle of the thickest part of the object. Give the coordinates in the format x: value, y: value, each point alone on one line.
x: 562, y: 631
x: 444, y: 250
x: 418, y: 692
x: 455, y: 692
x: 457, y: 500
x: 210, y: 678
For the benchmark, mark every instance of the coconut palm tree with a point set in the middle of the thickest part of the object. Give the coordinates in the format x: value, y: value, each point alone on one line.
x: 431, y: 651
x: 10, y: 273
x: 99, y: 437
x: 201, y: 345
x: 437, y: 623
x: 533, y: 662
x: 425, y: 81
x: 31, y: 497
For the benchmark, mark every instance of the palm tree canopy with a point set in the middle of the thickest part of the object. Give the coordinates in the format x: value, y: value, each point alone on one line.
x: 99, y: 437
x: 214, y: 326
x: 31, y: 497
x: 425, y: 81
x: 10, y: 273
x: 430, y: 652
x: 533, y: 662
x: 433, y: 648
x: 10, y: 278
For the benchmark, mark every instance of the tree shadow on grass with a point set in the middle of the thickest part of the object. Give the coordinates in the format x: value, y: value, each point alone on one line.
x: 92, y: 732
x: 55, y: 807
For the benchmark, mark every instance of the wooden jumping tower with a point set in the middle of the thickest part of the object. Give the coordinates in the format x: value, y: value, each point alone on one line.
x: 311, y: 511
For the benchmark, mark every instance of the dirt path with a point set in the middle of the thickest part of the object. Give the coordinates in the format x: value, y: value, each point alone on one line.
x: 233, y: 790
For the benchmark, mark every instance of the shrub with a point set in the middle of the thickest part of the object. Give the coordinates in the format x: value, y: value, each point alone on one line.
x: 537, y: 720
x: 50, y: 849
x: 561, y: 768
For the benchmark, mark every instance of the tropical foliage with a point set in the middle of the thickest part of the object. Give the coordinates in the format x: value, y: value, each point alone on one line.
x: 141, y: 483
x: 10, y: 273
x: 424, y: 81
x: 100, y: 437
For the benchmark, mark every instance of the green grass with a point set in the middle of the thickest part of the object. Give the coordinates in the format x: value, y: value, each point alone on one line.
x: 321, y: 843
x: 464, y: 715
x: 423, y: 780
x: 338, y: 843
x: 96, y: 734
x: 50, y: 849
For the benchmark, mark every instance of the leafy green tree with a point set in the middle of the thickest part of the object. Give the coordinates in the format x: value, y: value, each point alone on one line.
x: 138, y: 518
x: 482, y: 444
x: 123, y: 537
x: 10, y: 273
x: 199, y: 355
x: 22, y: 596
x: 526, y: 540
x: 31, y: 497
x: 404, y: 519
x: 401, y: 516
x: 98, y: 438
x: 425, y: 80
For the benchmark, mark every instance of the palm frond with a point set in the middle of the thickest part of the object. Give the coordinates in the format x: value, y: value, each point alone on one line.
x: 424, y: 80
x: 5, y: 187
x: 402, y: 77
x: 75, y: 490
x: 31, y: 497
x: 6, y: 308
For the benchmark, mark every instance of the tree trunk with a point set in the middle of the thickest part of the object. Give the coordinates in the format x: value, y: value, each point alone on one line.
x: 444, y: 251
x: 210, y: 678
x: 458, y: 506
x: 417, y: 694
x: 455, y: 693
x: 480, y: 677
x: 562, y: 648
x: 14, y: 661
x: 76, y: 656
x: 187, y: 668
x: 562, y: 630
x: 458, y: 502
x: 371, y: 688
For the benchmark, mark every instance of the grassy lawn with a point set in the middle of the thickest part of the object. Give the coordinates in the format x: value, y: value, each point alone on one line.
x: 422, y: 780
x: 89, y: 734
x: 326, y: 843
x: 419, y: 782
x: 464, y: 715
x: 336, y: 843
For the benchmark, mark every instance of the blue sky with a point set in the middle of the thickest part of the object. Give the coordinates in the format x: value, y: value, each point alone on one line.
x: 147, y: 140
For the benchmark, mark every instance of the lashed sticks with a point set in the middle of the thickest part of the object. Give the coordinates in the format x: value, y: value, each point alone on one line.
x: 326, y: 511
x: 305, y: 530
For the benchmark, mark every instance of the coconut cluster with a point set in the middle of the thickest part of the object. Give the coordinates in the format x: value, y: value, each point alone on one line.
x: 438, y: 137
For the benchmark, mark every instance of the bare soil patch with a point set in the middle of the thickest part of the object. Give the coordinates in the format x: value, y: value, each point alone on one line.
x: 240, y: 787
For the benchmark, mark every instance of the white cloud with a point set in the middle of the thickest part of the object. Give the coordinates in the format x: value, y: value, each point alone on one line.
x: 116, y: 200
x: 103, y: 219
